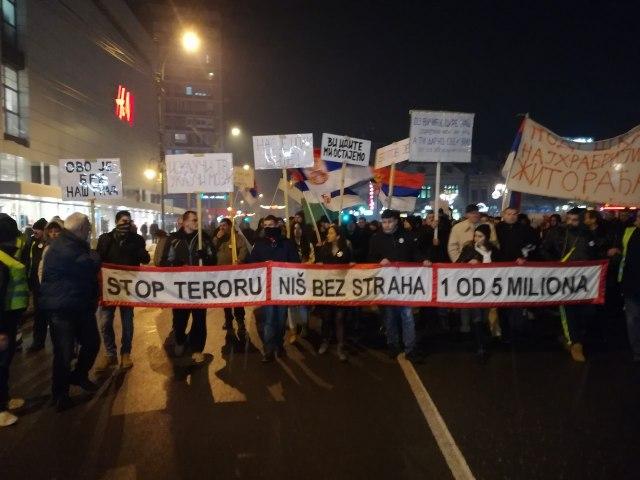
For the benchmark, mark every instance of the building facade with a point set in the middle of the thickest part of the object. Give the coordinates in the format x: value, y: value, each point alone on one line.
x: 78, y: 83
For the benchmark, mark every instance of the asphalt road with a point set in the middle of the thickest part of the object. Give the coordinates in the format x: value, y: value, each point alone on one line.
x: 528, y: 413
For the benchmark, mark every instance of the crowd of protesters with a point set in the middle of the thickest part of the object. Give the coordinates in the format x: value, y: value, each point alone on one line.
x: 58, y: 270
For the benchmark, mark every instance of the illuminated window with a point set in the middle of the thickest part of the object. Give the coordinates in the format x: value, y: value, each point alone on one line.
x: 180, y: 137
x: 9, y: 34
x: 189, y: 90
x: 13, y: 123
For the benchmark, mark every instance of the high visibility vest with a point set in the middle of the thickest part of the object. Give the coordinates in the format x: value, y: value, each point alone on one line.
x: 628, y: 233
x: 17, y: 290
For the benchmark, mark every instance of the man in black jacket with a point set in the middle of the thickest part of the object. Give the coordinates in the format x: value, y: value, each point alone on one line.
x: 393, y: 244
x: 69, y: 294
x: 183, y: 250
x: 630, y: 277
x: 121, y: 246
x: 33, y: 252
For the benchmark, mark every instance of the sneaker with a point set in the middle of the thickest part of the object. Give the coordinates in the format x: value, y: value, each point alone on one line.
x: 268, y: 357
x: 178, y: 350
x: 84, y: 383
x: 576, y: 352
x: 342, y: 355
x: 125, y: 361
x: 324, y: 346
x: 15, y: 403
x: 106, y: 362
x: 7, y: 418
x: 197, y: 357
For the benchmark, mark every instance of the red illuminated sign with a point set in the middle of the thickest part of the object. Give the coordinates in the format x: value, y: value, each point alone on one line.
x: 124, y: 105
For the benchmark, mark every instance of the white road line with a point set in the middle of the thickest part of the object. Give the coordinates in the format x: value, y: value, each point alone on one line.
x: 452, y: 454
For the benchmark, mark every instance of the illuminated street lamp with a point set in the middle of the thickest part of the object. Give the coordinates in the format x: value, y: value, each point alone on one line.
x: 150, y: 173
x: 235, y: 131
x: 191, y: 41
x: 246, y: 167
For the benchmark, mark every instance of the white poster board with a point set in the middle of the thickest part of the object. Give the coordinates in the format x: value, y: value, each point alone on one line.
x: 395, y: 153
x: 243, y: 178
x: 283, y: 151
x: 440, y: 136
x: 338, y: 148
x: 81, y: 179
x: 199, y: 172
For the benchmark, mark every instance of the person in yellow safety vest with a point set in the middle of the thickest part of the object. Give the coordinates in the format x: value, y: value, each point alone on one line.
x: 629, y: 275
x: 14, y: 301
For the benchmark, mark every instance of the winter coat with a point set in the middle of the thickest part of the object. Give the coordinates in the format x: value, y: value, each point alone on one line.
x: 280, y: 250
x: 122, y: 249
x: 631, y: 270
x: 223, y: 249
x: 183, y: 249
x: 469, y: 253
x: 563, y: 241
x: 461, y: 234
x: 513, y: 238
x: 69, y: 275
x: 399, y: 246
x: 342, y: 256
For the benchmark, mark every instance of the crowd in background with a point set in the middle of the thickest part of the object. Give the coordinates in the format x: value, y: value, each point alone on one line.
x: 55, y: 267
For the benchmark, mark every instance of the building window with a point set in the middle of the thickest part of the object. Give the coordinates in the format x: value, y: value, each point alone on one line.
x: 180, y: 137
x: 188, y: 90
x: 9, y: 33
x: 13, y: 122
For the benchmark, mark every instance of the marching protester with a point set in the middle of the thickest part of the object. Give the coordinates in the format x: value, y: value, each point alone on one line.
x: 629, y: 275
x: 183, y: 250
x: 51, y: 232
x: 14, y: 300
x: 299, y: 315
x: 479, y: 250
x: 393, y: 244
x: 223, y: 245
x: 335, y: 250
x: 121, y: 246
x: 69, y: 293
x: 35, y: 249
x: 358, y: 238
x: 275, y: 247
x: 569, y: 243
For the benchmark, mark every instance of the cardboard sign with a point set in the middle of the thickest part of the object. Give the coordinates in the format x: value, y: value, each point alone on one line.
x: 338, y: 148
x: 90, y: 179
x: 243, y: 178
x: 607, y: 171
x: 199, y: 172
x: 440, y: 136
x: 283, y: 151
x: 395, y: 153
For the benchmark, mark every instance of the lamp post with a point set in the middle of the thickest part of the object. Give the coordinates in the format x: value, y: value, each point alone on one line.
x: 190, y: 44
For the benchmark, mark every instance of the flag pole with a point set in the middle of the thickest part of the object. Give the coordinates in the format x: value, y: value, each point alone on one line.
x: 342, y: 174
x: 286, y: 202
x: 506, y: 196
x: 234, y: 244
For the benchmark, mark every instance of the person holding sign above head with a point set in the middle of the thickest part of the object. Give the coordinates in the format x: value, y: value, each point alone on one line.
x: 336, y: 250
x: 393, y: 244
x: 276, y: 247
x: 222, y: 242
x: 121, y: 246
x: 183, y: 250
x: 480, y: 250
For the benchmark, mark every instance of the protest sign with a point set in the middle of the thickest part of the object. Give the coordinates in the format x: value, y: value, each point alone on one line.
x: 274, y: 283
x: 607, y: 171
x: 440, y: 136
x: 283, y: 151
x: 395, y: 153
x: 486, y: 285
x: 243, y: 178
x: 90, y: 179
x: 338, y: 148
x: 199, y: 172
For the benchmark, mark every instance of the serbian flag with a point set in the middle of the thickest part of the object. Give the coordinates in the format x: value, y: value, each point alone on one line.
x: 406, y: 188
x: 515, y: 198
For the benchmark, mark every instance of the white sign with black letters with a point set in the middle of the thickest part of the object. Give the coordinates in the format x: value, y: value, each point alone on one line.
x: 338, y: 148
x: 283, y: 151
x: 199, y: 172
x: 440, y: 136
x: 81, y: 179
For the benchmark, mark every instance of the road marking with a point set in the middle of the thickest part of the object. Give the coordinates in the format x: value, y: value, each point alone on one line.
x: 452, y: 454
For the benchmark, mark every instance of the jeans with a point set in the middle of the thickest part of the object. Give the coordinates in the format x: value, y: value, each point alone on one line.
x: 105, y: 316
x: 40, y: 323
x: 237, y: 312
x: 67, y: 328
x: 513, y: 323
x: 477, y: 317
x: 298, y: 315
x: 574, y: 318
x: 404, y: 316
x: 333, y: 316
x: 632, y: 312
x: 198, y: 332
x: 8, y: 330
x: 275, y: 317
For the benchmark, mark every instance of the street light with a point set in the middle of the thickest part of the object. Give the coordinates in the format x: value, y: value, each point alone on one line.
x: 150, y: 173
x: 235, y: 131
x: 190, y: 43
x: 246, y: 167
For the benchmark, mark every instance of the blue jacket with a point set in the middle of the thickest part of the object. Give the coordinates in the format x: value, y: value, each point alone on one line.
x: 281, y: 250
x: 70, y: 275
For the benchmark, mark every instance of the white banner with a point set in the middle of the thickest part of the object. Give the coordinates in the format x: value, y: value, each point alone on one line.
x: 607, y: 171
x: 339, y: 148
x: 530, y: 284
x: 283, y: 151
x: 200, y: 172
x: 184, y: 286
x: 395, y: 153
x: 273, y: 283
x: 90, y: 179
x: 243, y: 177
x: 440, y: 136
